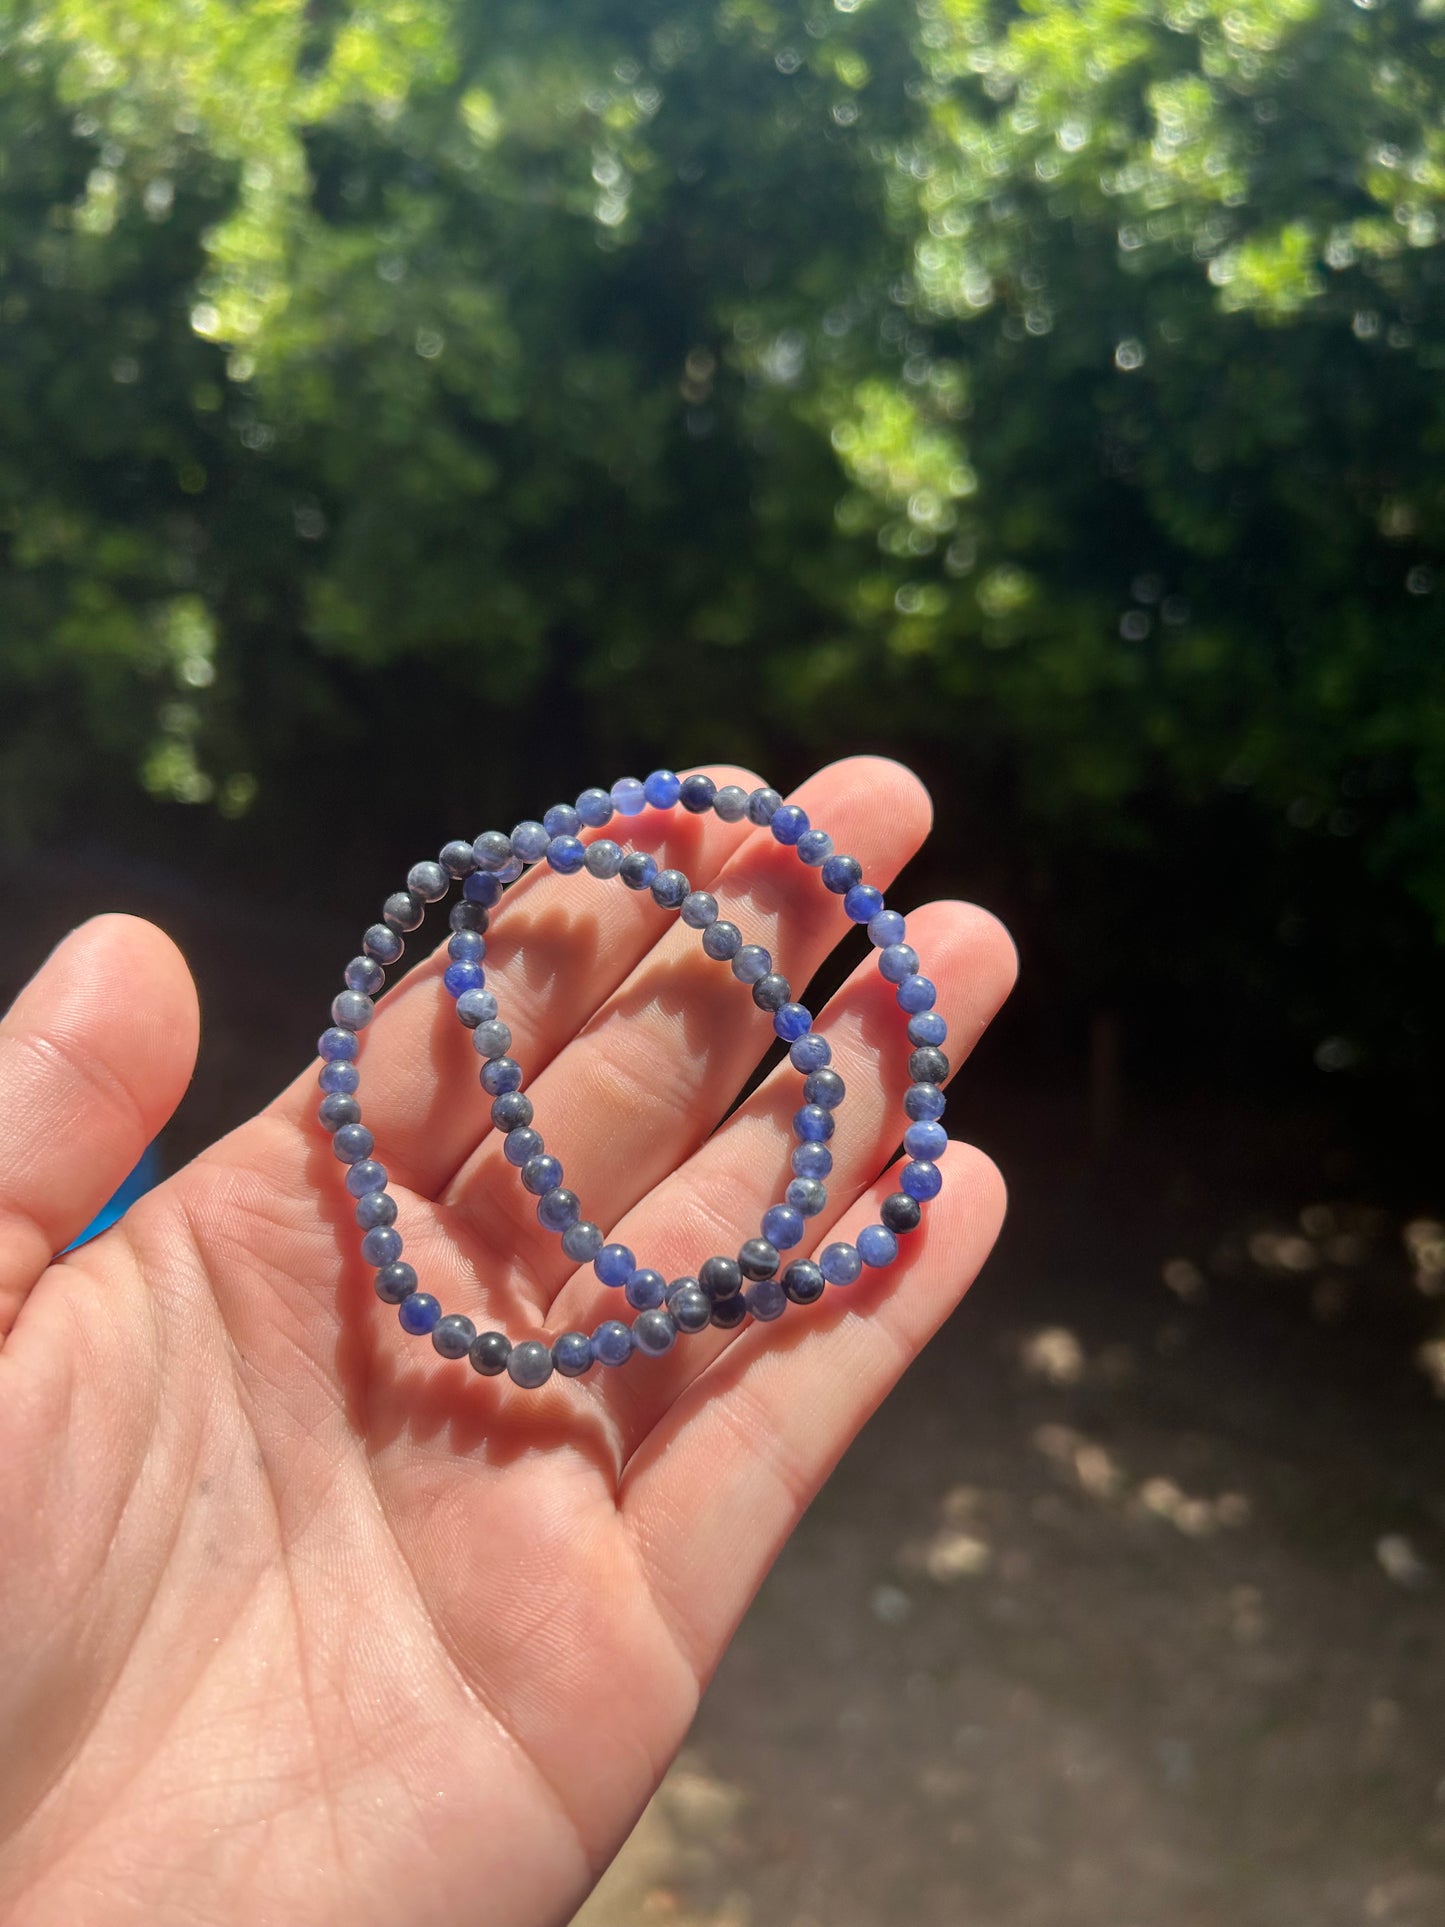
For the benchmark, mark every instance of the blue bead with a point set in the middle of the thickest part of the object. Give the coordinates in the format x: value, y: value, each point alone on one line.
x: 366, y: 975
x: 638, y: 869
x: 763, y: 805
x: 501, y: 1074
x: 662, y: 789
x: 365, y: 1177
x: 699, y: 909
x: 336, y: 1045
x: 863, y: 902
x: 458, y: 977
x: 337, y: 1108
x: 730, y: 805
x: 483, y: 889
x: 810, y: 1053
x: 782, y: 1225
x: 352, y: 1010
x: 928, y: 1027
x: 403, y: 910
x: 840, y: 1263
x: 669, y: 888
x: 529, y: 1364
x: 614, y: 1264
x: 394, y: 1282
x: 476, y: 1007
x: 419, y: 1313
x: 924, y: 1102
x: 558, y: 1208
x: 766, y: 1299
x: 813, y: 1124
x: 877, y: 1245
x: 512, y: 1111
x: 814, y: 848
x: 541, y: 1173
x: 492, y: 849
x: 572, y: 1354
x: 521, y: 1144
x: 654, y: 1332
x: 807, y: 1196
x: 382, y: 943
x: 645, y: 1290
x: 697, y: 793
x: 840, y: 873
x: 566, y: 855
x: 689, y: 1304
x: 466, y: 946
x: 627, y: 796
x: 339, y: 1076
x: 381, y: 1245
x: 897, y: 961
x: 750, y: 963
x: 467, y: 915
x: 530, y: 840
x: 489, y: 1354
x: 926, y: 1140
x: 811, y: 1160
x: 604, y: 858
x: 729, y: 1312
x: 582, y: 1241
x: 788, y: 824
x: 885, y: 928
x: 561, y: 820
x: 427, y: 880
x: 352, y: 1143
x: 375, y: 1207
x: 792, y: 1022
x: 594, y: 807
x: 612, y: 1342
x: 452, y: 1336
x: 456, y: 858
x: 917, y: 993
x: 491, y: 1039
x: 921, y: 1180
x: 721, y: 941
x: 824, y: 1087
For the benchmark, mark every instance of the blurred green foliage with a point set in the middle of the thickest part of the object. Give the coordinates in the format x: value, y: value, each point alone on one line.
x: 1053, y: 388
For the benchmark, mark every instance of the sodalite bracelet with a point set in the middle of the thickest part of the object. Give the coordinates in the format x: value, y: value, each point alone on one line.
x: 755, y: 1281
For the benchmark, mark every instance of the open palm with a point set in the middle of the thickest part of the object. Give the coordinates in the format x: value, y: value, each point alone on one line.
x: 304, y: 1624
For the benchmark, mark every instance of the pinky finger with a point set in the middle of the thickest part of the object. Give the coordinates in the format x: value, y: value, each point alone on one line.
x: 715, y: 1489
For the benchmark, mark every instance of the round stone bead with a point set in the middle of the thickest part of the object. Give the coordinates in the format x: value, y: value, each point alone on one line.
x: 489, y: 1353
x: 928, y: 1029
x: 466, y: 946
x: 921, y: 1180
x: 862, y: 903
x: 928, y: 1066
x: 720, y: 1277
x: 627, y: 796
x: 337, y: 1109
x: 750, y: 963
x: 612, y: 1342
x: 722, y: 940
x: 594, y: 808
x: 492, y: 849
x: 877, y: 1245
x: 840, y: 873
x: 924, y: 1103
x: 403, y: 910
x: 901, y: 1213
x: 501, y: 1074
x: 654, y: 1332
x: 824, y: 1087
x: 512, y: 1111
x: 638, y: 869
x: 887, y: 927
x: 520, y: 1145
x: 339, y: 1076
x: 561, y: 820
x: 783, y: 1226
x: 763, y: 805
x: 690, y: 1305
x: 758, y: 1258
x: 810, y: 1053
x: 541, y: 1173
x: 811, y: 1160
x: 395, y: 1282
x: 788, y: 824
x: 697, y: 793
x: 766, y: 1299
x: 352, y: 1009
x: 582, y: 1241
x: 572, y: 1354
x: 530, y: 840
x: 806, y: 1195
x: 453, y: 1335
x: 699, y: 909
x: 661, y: 788
x: 366, y: 975
x: 566, y: 855
x: 558, y: 1208
x: 729, y: 1312
x: 730, y: 805
x: 476, y: 1007
x: 352, y: 1143
x: 510, y: 870
x: 492, y: 1039
x: 456, y: 858
x: 427, y: 880
x: 645, y: 1290
x: 484, y: 889
x: 925, y: 1141
x: 814, y: 848
x: 383, y: 943
x: 381, y: 1245
x: 840, y: 1263
x: 467, y: 915
x: 813, y: 1124
x: 604, y: 858
x: 458, y: 978
x: 803, y: 1282
x: 373, y: 1207
x: 897, y: 961
x: 614, y: 1264
x: 529, y: 1364
x: 669, y: 888
x: 770, y: 993
x: 418, y: 1313
x: 917, y: 993
x: 792, y: 1021
x: 365, y: 1177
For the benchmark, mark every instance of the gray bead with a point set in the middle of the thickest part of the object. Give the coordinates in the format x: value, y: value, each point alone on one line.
x: 901, y: 1213
x: 582, y: 1242
x: 382, y: 943
x: 338, y: 1109
x: 669, y: 887
x: 803, y: 1282
x: 654, y: 1332
x: 720, y: 1277
x: 453, y: 1335
x: 492, y: 1039
x: 824, y: 1087
x: 603, y: 858
x: 492, y: 850
x: 468, y: 916
x: 722, y: 940
x: 772, y: 992
x: 457, y: 859
x: 690, y: 1306
x: 928, y: 1065
x: 476, y: 1007
x: 699, y: 909
x: 807, y: 1195
x: 429, y: 881
x: 366, y: 975
x: 395, y: 1282
x: 758, y: 1258
x: 763, y: 805
x: 489, y: 1353
x: 403, y: 910
x: 530, y: 1364
x: 352, y: 1010
x: 728, y: 1312
x: 572, y: 1354
x: 512, y: 1110
x: 730, y: 805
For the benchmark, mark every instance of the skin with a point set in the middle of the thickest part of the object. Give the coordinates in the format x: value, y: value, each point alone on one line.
x: 305, y: 1624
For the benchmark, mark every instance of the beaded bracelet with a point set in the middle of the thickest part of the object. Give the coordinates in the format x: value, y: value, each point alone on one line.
x: 726, y: 1290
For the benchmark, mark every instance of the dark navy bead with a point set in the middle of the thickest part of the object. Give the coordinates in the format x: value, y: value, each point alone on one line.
x: 722, y: 940
x: 928, y: 1028
x: 492, y: 1039
x: 427, y: 880
x: 788, y: 824
x: 558, y: 1208
x: 791, y: 1022
x: 529, y: 1364
x: 582, y: 1241
x: 662, y: 789
x: 594, y: 808
x: 811, y: 1160
x: 604, y: 858
x: 783, y: 1226
x: 530, y: 840
x: 456, y: 858
x: 813, y: 1124
x: 403, y: 910
x: 654, y: 1332
x: 921, y: 1179
x: 862, y: 903
x: 467, y: 915
x: 803, y: 1282
x: 763, y: 804
x: 382, y: 943
x: 453, y: 1335
x: 484, y: 889
x: 614, y: 1264
x: 352, y: 1009
x: 766, y: 1299
x: 750, y: 963
x: 572, y: 1354
x: 466, y: 946
x: 877, y: 1245
x: 840, y: 873
x: 897, y: 961
x: 886, y: 928
x: 806, y: 1195
x: 612, y: 1342
x: 669, y: 888
x: 458, y: 977
x: 352, y: 1143
x: 840, y: 1263
x: 927, y: 1066
x: 372, y: 1207
x: 521, y: 1144
x: 492, y: 849
x: 730, y: 805
x: 926, y: 1140
x: 541, y: 1173
x: 381, y: 1245
x: 364, y: 1177
x: 395, y: 1282
x: 627, y: 796
x: 638, y: 869
x: 645, y: 1290
x: 561, y: 820
x: 690, y: 1306
x: 489, y: 1353
x: 814, y: 848
x: 727, y: 1313
x: 337, y: 1109
x: 697, y: 793
x: 720, y: 1277
x: 339, y: 1076
x: 418, y: 1313
x: 366, y: 975
x: 476, y: 1007
x: 917, y: 993
x: 699, y: 909
x: 924, y: 1103
x: 824, y: 1087
x: 566, y: 855
x: 501, y: 1074
x: 758, y: 1258
x: 810, y: 1053
x: 770, y: 993
x: 900, y: 1212
x: 512, y: 1110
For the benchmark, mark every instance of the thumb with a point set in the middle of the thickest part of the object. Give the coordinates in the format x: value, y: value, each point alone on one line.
x: 95, y: 1055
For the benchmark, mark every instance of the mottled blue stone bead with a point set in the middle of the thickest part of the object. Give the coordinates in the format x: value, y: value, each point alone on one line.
x: 690, y: 1306
x: 510, y: 870
x: 645, y: 1289
x: 928, y: 1029
x: 763, y: 805
x: 887, y: 927
x: 458, y: 977
x: 467, y: 915
x: 512, y: 1111
x: 877, y: 1245
x: 561, y: 820
x: 757, y: 1257
x: 466, y: 946
x: 366, y: 975
x: 927, y: 1140
x: 612, y: 1342
x: 791, y: 1022
x: 729, y: 1313
x: 501, y: 1074
x: 352, y: 1143
x: 364, y: 1177
x: 782, y: 1226
x: 566, y: 855
x: 916, y: 994
x: 476, y: 1007
x: 352, y: 1009
x: 669, y: 888
x: 806, y: 1195
x: 697, y: 793
x: 572, y: 1354
x: 771, y: 992
x: 813, y: 1124
x: 766, y: 1299
x: 381, y: 1245
x: 720, y: 1277
x: 382, y: 943
x: 862, y: 903
x: 541, y: 1173
x: 418, y: 1313
x: 337, y: 1108
x: 521, y: 1144
x: 336, y: 1046
x: 901, y: 1213
x: 654, y: 1332
x: 824, y: 1087
x: 582, y: 1241
x: 897, y: 961
x: 662, y: 788
x: 373, y: 1207
x: 722, y: 940
x: 924, y: 1103
x: 456, y: 858
x: 339, y: 1076
x: 492, y: 849
x: 811, y: 1160
x: 530, y: 840
x: 529, y: 1364
x: 604, y: 858
x: 492, y: 1039
x: 699, y: 909
x: 927, y: 1065
x: 453, y: 1334
x: 814, y: 848
x: 751, y: 962
x: 614, y: 1264
x: 921, y: 1180
x: 403, y: 910
x: 840, y: 1263
x: 638, y: 869
x: 394, y: 1282
x: 627, y: 796
x: 427, y: 880
x: 483, y: 889
x: 489, y: 1353
x: 788, y: 824
x: 558, y: 1208
x: 810, y: 1053
x: 840, y: 873
x: 730, y: 805
x: 803, y: 1282
x: 594, y: 808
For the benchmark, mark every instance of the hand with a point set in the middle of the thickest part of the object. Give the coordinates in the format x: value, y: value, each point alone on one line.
x: 305, y: 1624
